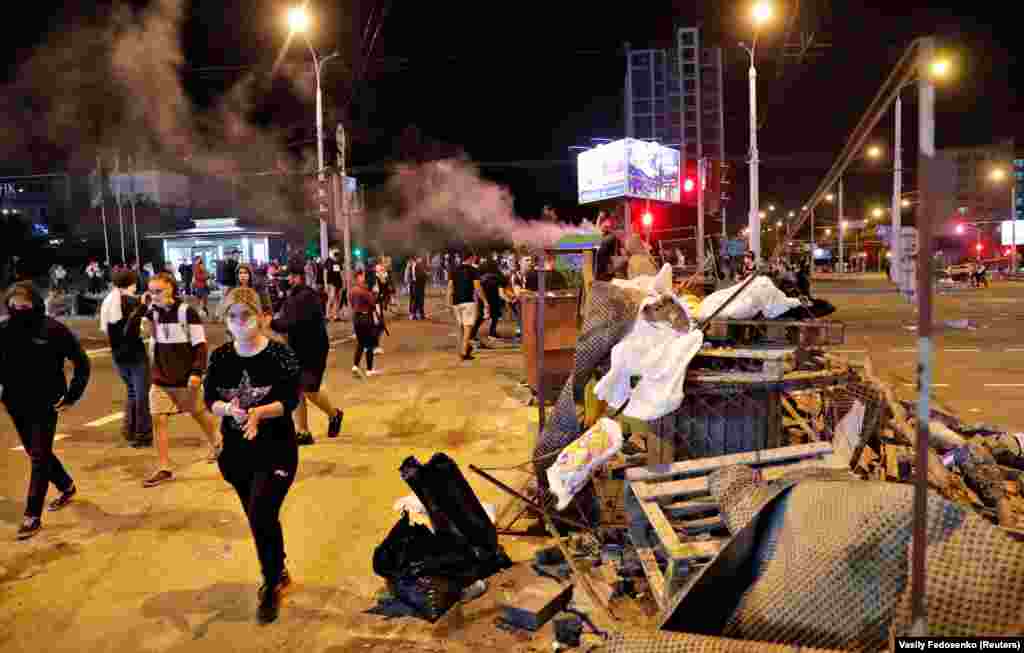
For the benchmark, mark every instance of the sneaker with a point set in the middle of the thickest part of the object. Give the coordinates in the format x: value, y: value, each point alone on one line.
x: 304, y: 439
x: 334, y: 427
x: 158, y: 477
x: 29, y: 527
x: 358, y: 372
x: 372, y: 372
x: 64, y: 499
x: 214, y: 452
x: 270, y: 604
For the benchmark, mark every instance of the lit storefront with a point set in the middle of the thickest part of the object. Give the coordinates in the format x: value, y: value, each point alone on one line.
x: 214, y: 239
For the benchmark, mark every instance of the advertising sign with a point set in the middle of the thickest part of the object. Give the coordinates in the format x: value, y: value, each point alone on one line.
x: 628, y: 168
x: 653, y: 171
x: 1007, y: 229
x: 602, y: 172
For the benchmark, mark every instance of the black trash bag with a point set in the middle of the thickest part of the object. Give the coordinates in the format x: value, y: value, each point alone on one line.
x: 428, y: 570
x: 450, y: 502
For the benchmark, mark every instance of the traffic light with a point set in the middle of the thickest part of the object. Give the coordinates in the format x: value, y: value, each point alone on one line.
x: 357, y: 252
x: 689, y: 183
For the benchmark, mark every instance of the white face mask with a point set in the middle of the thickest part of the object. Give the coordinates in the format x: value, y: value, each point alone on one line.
x: 244, y: 330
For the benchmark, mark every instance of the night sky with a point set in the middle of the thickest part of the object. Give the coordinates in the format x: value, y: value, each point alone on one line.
x: 524, y: 81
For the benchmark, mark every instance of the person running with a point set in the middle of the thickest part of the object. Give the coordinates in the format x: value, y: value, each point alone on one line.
x: 463, y: 290
x: 34, y: 390
x: 302, y: 321
x: 179, y: 361
x: 253, y: 385
x: 363, y: 304
x: 121, y: 319
x: 201, y: 285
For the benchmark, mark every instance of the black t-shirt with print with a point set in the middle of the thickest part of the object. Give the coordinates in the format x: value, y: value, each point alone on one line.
x: 463, y: 280
x: 271, y: 375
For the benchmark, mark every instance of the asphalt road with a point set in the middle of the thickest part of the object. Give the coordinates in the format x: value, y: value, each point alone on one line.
x: 173, y: 568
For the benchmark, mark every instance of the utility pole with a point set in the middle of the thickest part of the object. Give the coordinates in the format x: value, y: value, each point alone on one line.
x: 840, y: 227
x: 700, y: 214
x: 342, y: 142
x: 927, y: 187
x: 755, y: 216
x: 896, y: 263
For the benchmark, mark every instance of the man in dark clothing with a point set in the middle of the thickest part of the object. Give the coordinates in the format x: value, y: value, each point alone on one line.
x: 463, y: 294
x: 302, y: 321
x: 604, y: 260
x: 492, y: 281
x: 334, y: 281
x: 121, y: 319
x: 230, y: 279
x: 420, y: 276
x: 33, y: 388
x: 185, y: 270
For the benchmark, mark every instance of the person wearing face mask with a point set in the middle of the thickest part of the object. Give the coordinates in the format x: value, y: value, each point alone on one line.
x: 34, y: 390
x: 179, y: 362
x: 253, y: 384
x: 121, y: 319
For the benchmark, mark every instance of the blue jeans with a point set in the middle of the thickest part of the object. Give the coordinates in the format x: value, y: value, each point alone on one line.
x: 137, y: 418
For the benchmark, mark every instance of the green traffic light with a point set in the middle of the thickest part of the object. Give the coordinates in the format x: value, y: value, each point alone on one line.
x: 357, y: 252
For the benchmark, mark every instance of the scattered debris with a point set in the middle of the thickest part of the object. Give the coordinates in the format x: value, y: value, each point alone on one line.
x: 970, y: 325
x: 535, y: 605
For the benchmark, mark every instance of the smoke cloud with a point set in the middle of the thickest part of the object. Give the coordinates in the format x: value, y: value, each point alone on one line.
x: 429, y: 205
x: 113, y: 82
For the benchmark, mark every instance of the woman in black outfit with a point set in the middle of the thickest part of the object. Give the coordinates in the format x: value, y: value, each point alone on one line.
x: 253, y: 384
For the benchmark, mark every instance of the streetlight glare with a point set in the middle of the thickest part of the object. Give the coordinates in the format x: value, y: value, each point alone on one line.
x: 877, y: 212
x: 874, y: 151
x: 792, y: 213
x: 940, y: 68
x: 959, y: 228
x: 828, y: 232
x: 845, y: 223
x: 298, y: 19
x: 762, y: 13
x: 998, y: 174
x: 830, y: 197
x: 905, y: 203
x: 762, y: 214
x: 771, y: 207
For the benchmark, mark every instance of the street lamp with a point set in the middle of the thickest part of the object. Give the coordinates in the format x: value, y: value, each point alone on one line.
x: 761, y: 13
x: 771, y: 208
x: 830, y: 198
x: 999, y: 175
x: 877, y: 213
x: 299, y: 22
x: 874, y: 152
x: 792, y: 214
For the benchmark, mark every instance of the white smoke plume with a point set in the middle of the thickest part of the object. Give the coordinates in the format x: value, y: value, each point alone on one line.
x: 446, y: 201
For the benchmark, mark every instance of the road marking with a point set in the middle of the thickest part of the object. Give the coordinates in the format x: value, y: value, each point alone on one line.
x: 97, y: 352
x: 1004, y: 385
x: 973, y: 349
x: 113, y: 417
x: 934, y: 385
x: 59, y: 436
x: 850, y: 351
x: 1015, y: 349
x: 905, y: 350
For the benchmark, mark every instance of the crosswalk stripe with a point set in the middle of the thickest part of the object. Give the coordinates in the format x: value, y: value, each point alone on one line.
x: 113, y: 417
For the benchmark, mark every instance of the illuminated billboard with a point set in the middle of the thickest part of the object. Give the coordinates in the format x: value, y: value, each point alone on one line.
x: 628, y: 168
x: 1008, y: 229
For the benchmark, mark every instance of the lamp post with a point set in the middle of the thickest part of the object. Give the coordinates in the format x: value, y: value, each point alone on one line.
x: 298, y: 21
x: 761, y: 13
x: 998, y: 175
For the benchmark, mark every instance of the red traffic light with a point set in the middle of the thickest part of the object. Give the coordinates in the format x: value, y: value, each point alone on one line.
x: 978, y: 247
x: 648, y: 219
x: 689, y: 185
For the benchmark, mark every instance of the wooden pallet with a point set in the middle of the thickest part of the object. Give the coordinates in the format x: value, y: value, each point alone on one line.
x: 774, y: 362
x: 804, y: 333
x: 669, y: 507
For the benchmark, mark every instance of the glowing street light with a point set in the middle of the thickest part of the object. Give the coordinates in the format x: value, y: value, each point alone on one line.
x: 877, y: 213
x: 298, y: 19
x: 761, y: 13
x: 779, y: 224
x: 830, y: 197
x: 960, y: 229
x: 771, y: 208
x: 997, y: 175
x: 828, y: 232
x: 792, y: 214
x: 905, y: 203
x: 845, y: 224
x: 762, y: 214
x: 940, y: 68
x: 874, y: 152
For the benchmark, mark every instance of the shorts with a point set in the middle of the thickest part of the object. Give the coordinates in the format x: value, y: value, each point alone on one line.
x: 173, y: 401
x: 310, y: 379
x: 201, y: 292
x: 465, y: 314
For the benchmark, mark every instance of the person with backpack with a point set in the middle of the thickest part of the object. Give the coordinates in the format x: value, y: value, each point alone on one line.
x: 34, y: 390
x: 179, y: 362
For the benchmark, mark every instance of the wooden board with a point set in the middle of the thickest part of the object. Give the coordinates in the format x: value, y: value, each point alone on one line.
x: 534, y: 605
x: 655, y: 579
x: 707, y: 465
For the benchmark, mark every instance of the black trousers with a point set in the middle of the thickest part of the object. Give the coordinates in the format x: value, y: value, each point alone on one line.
x: 419, y: 292
x: 36, y: 429
x: 262, y: 487
x: 366, y: 339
